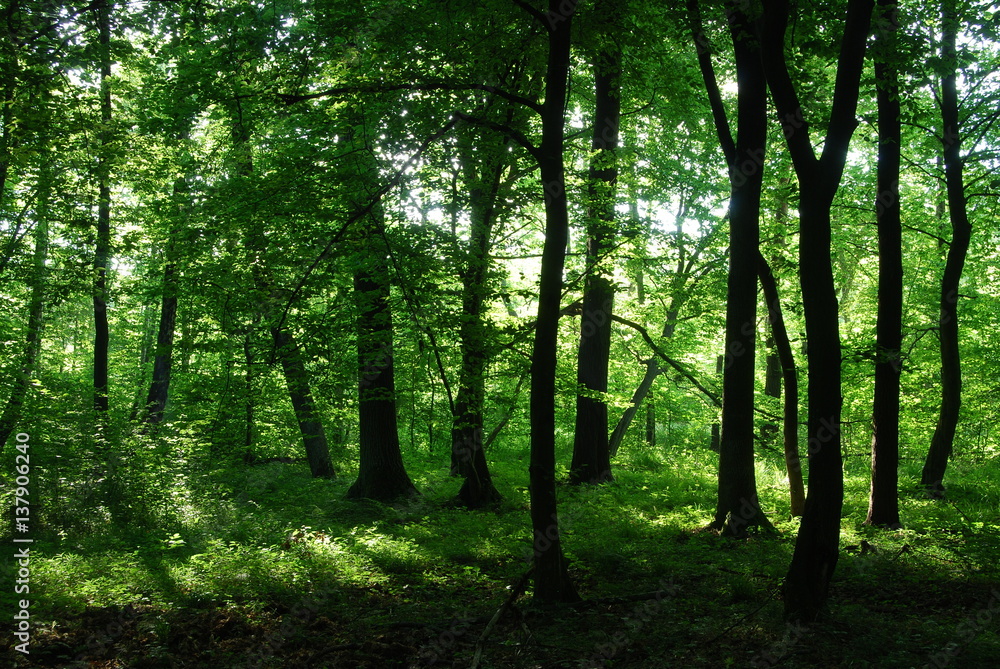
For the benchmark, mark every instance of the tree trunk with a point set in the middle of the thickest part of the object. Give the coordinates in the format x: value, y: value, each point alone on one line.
x: 591, y: 458
x: 738, y: 509
x: 883, y: 502
x: 293, y: 367
x: 817, y: 545
x: 159, y: 388
x: 789, y: 375
x: 248, y: 400
x: 381, y: 474
x: 297, y: 381
x: 468, y: 456
x: 645, y: 385
x: 102, y: 253
x: 552, y: 582
x: 932, y: 476
x: 36, y: 307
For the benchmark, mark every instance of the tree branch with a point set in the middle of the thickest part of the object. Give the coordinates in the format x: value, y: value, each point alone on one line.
x: 508, y: 131
x: 535, y: 13
x: 364, y: 211
x: 290, y: 98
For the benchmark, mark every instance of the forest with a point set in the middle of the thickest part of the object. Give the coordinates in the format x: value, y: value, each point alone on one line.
x: 511, y: 333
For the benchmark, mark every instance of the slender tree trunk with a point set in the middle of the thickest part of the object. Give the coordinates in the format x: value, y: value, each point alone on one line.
x: 789, y: 375
x: 7, y: 118
x: 159, y: 388
x: 552, y: 582
x: 883, y: 502
x: 932, y: 476
x: 10, y: 69
x: 306, y: 413
x: 293, y: 367
x: 591, y: 457
x: 653, y: 370
x: 249, y: 403
x: 36, y: 306
x: 738, y: 509
x: 468, y: 456
x: 102, y: 254
x: 381, y: 474
x: 817, y: 545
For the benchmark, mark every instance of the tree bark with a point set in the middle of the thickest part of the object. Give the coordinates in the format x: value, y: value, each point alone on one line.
x: 789, y: 375
x: 552, y: 582
x: 883, y: 500
x: 738, y: 509
x: 381, y: 474
x: 817, y: 545
x: 293, y: 367
x: 159, y: 388
x: 468, y: 456
x: 36, y: 307
x: 306, y: 413
x: 102, y: 253
x: 936, y: 463
x: 591, y: 461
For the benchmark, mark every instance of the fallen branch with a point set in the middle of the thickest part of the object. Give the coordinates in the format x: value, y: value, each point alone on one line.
x: 509, y: 602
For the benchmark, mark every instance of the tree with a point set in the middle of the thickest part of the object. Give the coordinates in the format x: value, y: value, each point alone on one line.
x: 818, y: 543
x: 102, y: 252
x: 932, y: 476
x: 159, y: 387
x: 552, y: 582
x: 468, y: 455
x: 36, y: 308
x: 381, y: 474
x: 789, y: 375
x: 591, y: 459
x: 883, y: 505
x: 738, y: 508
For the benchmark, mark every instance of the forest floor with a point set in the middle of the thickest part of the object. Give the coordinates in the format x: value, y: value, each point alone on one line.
x: 265, y: 567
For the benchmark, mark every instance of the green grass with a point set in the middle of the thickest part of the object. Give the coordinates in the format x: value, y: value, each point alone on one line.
x: 264, y: 566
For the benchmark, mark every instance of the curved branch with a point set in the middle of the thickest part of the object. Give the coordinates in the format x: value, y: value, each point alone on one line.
x: 508, y: 131
x: 290, y: 98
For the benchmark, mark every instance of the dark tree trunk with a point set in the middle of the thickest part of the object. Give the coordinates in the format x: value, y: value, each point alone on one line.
x: 468, y: 456
x: 591, y: 459
x: 552, y: 582
x: 381, y: 474
x: 772, y: 371
x: 297, y: 381
x: 790, y: 405
x: 932, y: 476
x: 883, y: 502
x: 292, y: 365
x: 650, y: 424
x: 772, y: 388
x: 159, y: 388
x: 36, y: 306
x: 653, y: 370
x: 7, y: 115
x: 102, y: 253
x: 738, y: 509
x: 248, y: 398
x: 156, y: 400
x: 817, y: 545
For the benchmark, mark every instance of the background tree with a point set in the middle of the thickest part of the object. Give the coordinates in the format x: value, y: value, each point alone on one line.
x: 817, y: 546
